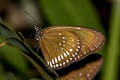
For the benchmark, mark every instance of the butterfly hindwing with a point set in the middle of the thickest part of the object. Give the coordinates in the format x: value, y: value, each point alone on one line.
x: 90, y: 40
x: 63, y: 45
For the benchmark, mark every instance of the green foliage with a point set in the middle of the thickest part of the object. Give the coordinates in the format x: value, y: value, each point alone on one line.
x: 64, y: 12
x: 11, y: 54
x: 13, y: 39
x: 112, y: 59
x: 71, y: 12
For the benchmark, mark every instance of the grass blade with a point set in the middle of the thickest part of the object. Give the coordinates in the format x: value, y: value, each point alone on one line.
x: 112, y: 59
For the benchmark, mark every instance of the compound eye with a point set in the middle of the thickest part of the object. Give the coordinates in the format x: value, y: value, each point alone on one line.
x: 38, y: 34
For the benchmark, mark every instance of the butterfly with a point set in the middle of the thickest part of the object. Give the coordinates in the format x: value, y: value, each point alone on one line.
x: 63, y: 45
x: 85, y: 69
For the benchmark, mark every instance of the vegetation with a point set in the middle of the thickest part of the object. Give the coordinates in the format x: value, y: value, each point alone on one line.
x: 16, y: 48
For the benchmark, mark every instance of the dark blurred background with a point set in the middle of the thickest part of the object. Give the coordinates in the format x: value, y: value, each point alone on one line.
x: 101, y: 15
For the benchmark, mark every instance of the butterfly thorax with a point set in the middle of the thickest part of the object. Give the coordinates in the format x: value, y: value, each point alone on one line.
x: 39, y: 33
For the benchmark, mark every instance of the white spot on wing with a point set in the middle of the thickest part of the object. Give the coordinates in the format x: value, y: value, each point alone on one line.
x: 80, y: 74
x: 65, y: 55
x: 88, y: 75
x: 78, y: 56
x: 76, y: 53
x: 79, y: 28
x: 63, y: 41
x: 63, y: 37
x: 55, y: 60
x: 73, y: 55
x: 70, y: 50
x: 51, y: 64
x: 63, y: 63
x: 62, y: 56
x: 73, y: 45
x: 81, y: 55
x: 79, y: 47
x: 84, y: 52
x: 78, y: 43
x: 67, y: 61
x: 60, y: 44
x: 75, y: 58
x: 60, y: 64
x: 48, y: 62
x: 70, y: 58
x: 61, y: 48
x: 59, y: 59
x: 56, y: 65
x: 83, y: 46
x: 59, y: 33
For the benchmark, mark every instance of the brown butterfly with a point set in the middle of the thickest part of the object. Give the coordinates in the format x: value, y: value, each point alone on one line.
x: 63, y: 45
x: 85, y: 69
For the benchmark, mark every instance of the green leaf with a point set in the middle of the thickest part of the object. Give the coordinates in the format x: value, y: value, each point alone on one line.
x: 34, y: 58
x: 2, y: 73
x: 7, y: 32
x: 71, y: 12
x: 112, y: 59
x: 12, y: 56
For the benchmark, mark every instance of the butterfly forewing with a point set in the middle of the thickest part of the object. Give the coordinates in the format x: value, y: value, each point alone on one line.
x: 57, y: 49
x: 63, y: 45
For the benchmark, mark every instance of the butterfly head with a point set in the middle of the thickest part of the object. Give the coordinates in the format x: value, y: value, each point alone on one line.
x: 39, y: 33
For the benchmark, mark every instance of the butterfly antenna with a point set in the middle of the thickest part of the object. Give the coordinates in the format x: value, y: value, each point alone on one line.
x: 31, y: 17
x: 33, y: 21
x: 36, y: 47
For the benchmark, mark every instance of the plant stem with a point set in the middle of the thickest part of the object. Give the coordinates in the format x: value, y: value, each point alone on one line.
x: 111, y: 64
